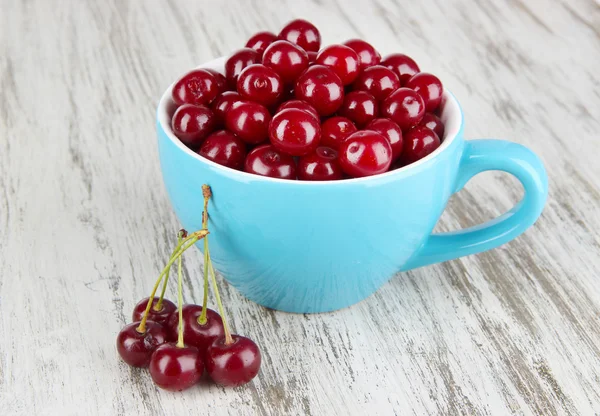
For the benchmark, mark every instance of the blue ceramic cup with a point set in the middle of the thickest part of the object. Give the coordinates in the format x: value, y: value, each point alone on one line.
x: 309, y: 247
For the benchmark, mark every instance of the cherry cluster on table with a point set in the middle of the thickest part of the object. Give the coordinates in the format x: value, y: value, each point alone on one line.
x: 287, y: 109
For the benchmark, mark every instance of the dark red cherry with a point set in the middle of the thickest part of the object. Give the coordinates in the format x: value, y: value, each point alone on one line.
x: 390, y: 130
x: 322, y: 165
x: 249, y: 121
x: 378, y: 81
x: 322, y: 88
x: 223, y: 103
x: 236, y: 63
x: 342, y: 60
x: 405, y: 107
x: 367, y: 54
x: 176, y: 369
x: 233, y: 364
x: 136, y: 348
x: 365, y: 153
x: 312, y: 57
x: 418, y: 143
x: 299, y: 104
x: 429, y: 87
x: 360, y: 107
x: 260, y: 84
x: 159, y: 316
x: 196, y: 87
x: 434, y: 123
x: 196, y: 334
x: 334, y: 131
x: 402, y: 65
x: 192, y: 123
x: 295, y: 132
x: 224, y: 148
x: 260, y: 41
x: 303, y: 34
x: 266, y: 160
x: 287, y: 59
x: 221, y: 80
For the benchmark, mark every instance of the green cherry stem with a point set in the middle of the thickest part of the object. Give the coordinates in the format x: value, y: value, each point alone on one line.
x: 206, y: 193
x: 228, y: 339
x: 180, y: 235
x: 180, y: 343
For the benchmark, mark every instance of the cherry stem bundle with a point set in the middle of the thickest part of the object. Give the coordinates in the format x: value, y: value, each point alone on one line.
x: 180, y: 235
x: 180, y: 343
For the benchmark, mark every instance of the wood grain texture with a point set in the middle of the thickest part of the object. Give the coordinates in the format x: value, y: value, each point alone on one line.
x: 85, y: 224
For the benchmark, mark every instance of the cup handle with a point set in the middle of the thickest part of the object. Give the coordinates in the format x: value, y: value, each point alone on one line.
x: 479, y: 156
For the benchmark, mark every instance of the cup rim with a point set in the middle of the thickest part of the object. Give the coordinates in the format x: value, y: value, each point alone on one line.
x: 452, y: 117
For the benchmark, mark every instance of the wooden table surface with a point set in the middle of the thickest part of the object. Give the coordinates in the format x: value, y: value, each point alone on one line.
x: 85, y: 223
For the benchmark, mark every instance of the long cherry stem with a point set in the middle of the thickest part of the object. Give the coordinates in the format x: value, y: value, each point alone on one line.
x: 228, y: 339
x: 206, y: 193
x: 180, y: 343
x: 180, y: 235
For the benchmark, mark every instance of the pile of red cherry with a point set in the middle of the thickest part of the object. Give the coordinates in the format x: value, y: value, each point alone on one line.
x: 287, y: 109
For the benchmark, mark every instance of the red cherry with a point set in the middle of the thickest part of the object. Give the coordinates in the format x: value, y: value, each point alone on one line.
x: 367, y: 54
x: 378, y: 81
x: 434, y: 123
x: 224, y: 148
x: 176, y: 369
x: 405, y: 107
x: 136, y: 348
x: 221, y: 80
x: 160, y: 317
x: 390, y: 130
x: 334, y: 130
x: 260, y: 41
x: 196, y: 334
x: 287, y: 59
x: 312, y: 57
x: 192, y: 123
x: 236, y: 63
x: 418, y: 143
x: 342, y: 60
x: 303, y: 34
x: 249, y: 121
x: 295, y: 132
x: 322, y: 88
x: 196, y: 87
x: 402, y: 65
x: 360, y: 107
x: 223, y: 103
x: 299, y: 104
x: 365, y: 153
x: 233, y: 364
x: 429, y: 87
x: 322, y: 165
x: 260, y: 84
x: 266, y: 160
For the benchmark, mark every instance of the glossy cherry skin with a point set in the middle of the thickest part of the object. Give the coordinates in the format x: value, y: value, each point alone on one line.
x: 334, y: 131
x: 402, y: 65
x: 303, y: 34
x: 176, y: 369
x: 260, y: 41
x: 378, y: 81
x: 365, y: 153
x: 249, y: 121
x: 429, y: 87
x: 434, y: 123
x: 287, y: 59
x: 196, y: 334
x: 360, y: 107
x: 367, y: 54
x: 221, y: 80
x: 342, y: 60
x: 223, y: 103
x: 196, y: 87
x: 312, y: 57
x: 418, y: 143
x: 135, y: 348
x: 405, y: 107
x: 224, y: 148
x: 321, y: 165
x: 295, y: 132
x: 192, y: 123
x: 233, y: 364
x: 236, y: 63
x: 260, y: 84
x: 322, y: 88
x: 391, y: 131
x: 266, y: 160
x: 160, y: 317
x: 299, y: 104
